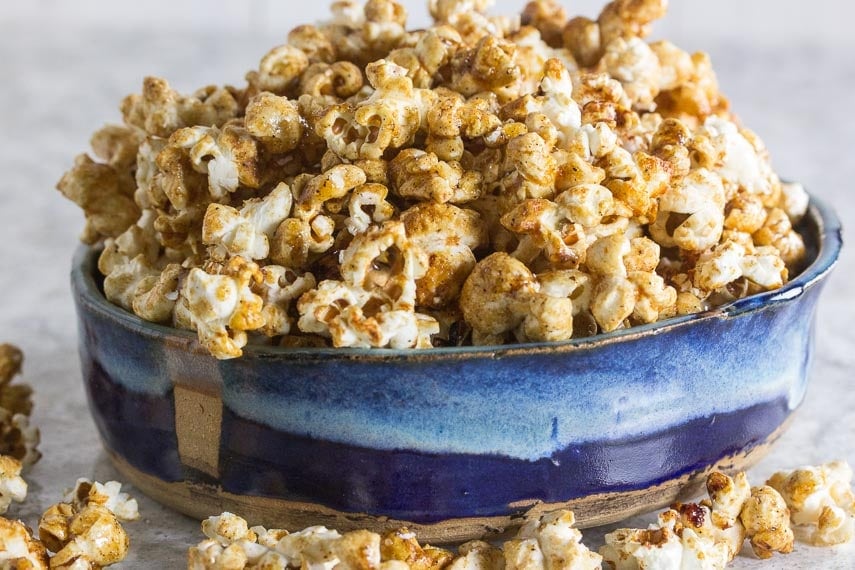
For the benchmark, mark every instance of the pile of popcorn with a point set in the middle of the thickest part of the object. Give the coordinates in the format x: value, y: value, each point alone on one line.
x: 83, y: 532
x: 691, y: 536
x: 485, y: 180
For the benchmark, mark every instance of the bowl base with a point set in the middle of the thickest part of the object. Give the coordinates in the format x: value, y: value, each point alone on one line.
x: 201, y: 501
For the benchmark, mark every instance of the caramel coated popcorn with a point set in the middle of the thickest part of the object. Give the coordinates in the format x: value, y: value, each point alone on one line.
x: 820, y: 498
x: 547, y: 543
x: 18, y: 439
x: 484, y: 180
x: 709, y: 534
x: 84, y: 531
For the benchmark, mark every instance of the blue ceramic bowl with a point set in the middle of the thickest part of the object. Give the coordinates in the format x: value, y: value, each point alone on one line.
x: 454, y: 442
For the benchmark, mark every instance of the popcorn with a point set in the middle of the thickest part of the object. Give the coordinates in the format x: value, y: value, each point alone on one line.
x: 18, y: 438
x: 278, y: 70
x: 820, y: 496
x: 227, y: 528
x: 105, y: 196
x: 236, y: 546
x: 767, y: 522
x: 227, y: 156
x: 246, y: 232
x: 447, y: 235
x: 18, y: 548
x: 551, y: 542
x: 691, y: 213
x: 160, y: 110
x: 11, y: 359
x: 402, y: 545
x: 221, y: 306
x: 90, y: 538
x: 375, y: 303
x: 477, y: 555
x: 493, y: 298
x: 549, y: 17
x: 430, y: 151
x: 420, y: 175
x: 14, y: 398
x: 794, y: 201
x: 85, y: 530
x: 12, y: 485
x: 275, y: 121
x: 635, y: 65
x: 108, y: 495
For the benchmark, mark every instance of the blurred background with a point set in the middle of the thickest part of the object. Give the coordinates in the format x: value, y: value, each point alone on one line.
x: 788, y: 67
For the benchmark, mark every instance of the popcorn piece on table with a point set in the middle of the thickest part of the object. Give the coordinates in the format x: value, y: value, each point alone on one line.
x: 550, y: 543
x: 18, y: 438
x: 767, y: 522
x: 477, y: 555
x: 665, y: 545
x: 402, y: 545
x: 14, y: 398
x: 12, y: 485
x: 107, y: 494
x: 84, y: 531
x: 820, y: 496
x: 19, y: 549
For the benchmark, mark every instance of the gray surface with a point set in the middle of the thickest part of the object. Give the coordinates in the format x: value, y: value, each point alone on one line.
x: 60, y: 84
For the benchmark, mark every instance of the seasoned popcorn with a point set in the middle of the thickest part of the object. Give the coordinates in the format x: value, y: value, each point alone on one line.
x: 767, y: 522
x: 18, y: 438
x: 548, y: 543
x: 12, y: 485
x: 108, y: 495
x: 822, y: 497
x: 84, y: 531
x: 19, y: 550
x: 534, y: 148
x: 90, y: 538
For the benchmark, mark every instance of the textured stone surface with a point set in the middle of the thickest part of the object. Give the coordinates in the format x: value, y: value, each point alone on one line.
x: 59, y: 86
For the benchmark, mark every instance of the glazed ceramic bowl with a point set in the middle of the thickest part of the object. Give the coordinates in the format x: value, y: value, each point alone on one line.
x: 456, y: 443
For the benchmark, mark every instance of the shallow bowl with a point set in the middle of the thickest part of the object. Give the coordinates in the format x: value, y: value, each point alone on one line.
x: 456, y: 443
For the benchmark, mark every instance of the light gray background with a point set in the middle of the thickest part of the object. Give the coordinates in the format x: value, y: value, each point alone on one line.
x: 787, y: 66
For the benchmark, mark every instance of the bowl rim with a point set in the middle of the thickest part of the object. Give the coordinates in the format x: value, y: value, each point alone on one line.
x: 830, y: 241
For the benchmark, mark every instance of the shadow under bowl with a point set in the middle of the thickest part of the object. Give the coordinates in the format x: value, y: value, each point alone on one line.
x: 455, y: 443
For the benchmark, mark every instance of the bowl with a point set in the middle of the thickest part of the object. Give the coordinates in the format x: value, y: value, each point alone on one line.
x: 455, y: 443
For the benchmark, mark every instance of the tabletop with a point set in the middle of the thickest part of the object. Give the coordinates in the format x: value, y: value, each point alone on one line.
x: 60, y: 83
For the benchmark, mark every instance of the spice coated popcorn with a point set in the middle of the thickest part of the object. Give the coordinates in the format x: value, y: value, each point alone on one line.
x: 484, y: 180
x: 548, y: 543
x: 822, y: 498
x: 12, y: 485
x: 19, y: 550
x: 84, y: 531
x: 709, y: 534
x: 18, y: 439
